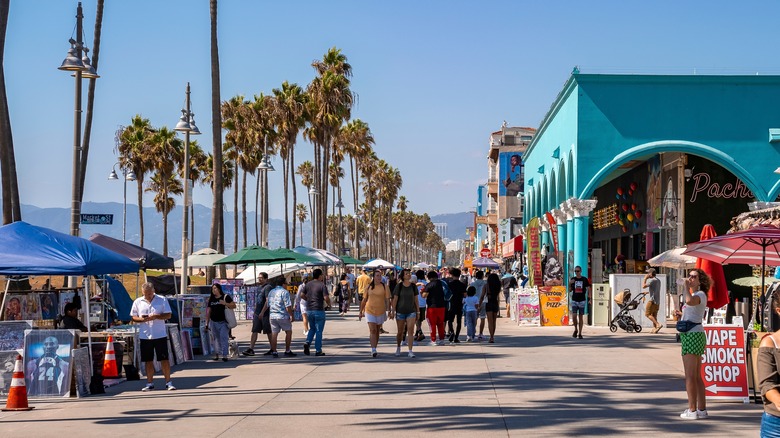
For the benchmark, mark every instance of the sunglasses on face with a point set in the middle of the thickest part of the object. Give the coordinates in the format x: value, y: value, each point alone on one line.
x: 693, y: 276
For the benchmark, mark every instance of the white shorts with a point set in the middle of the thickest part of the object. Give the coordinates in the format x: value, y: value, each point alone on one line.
x: 376, y: 319
x: 304, y: 309
x: 280, y: 325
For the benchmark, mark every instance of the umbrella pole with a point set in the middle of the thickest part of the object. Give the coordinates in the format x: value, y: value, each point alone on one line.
x: 763, y: 293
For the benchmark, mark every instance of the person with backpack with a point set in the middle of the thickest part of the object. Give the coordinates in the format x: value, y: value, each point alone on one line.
x: 455, y: 307
x: 433, y: 292
x: 343, y: 294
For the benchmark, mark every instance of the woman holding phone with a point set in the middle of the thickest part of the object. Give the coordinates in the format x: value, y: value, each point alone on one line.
x: 215, y: 318
x: 694, y: 342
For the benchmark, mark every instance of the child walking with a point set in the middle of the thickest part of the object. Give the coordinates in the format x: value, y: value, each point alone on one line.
x: 470, y: 310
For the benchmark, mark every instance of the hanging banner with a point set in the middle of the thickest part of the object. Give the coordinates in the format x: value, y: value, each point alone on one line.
x: 534, y: 253
x: 528, y: 307
x: 554, y: 306
x: 723, y: 365
x: 553, y: 231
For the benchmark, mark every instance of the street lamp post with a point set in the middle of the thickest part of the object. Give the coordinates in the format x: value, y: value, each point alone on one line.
x: 264, y: 167
x: 77, y: 62
x: 340, y: 205
x: 127, y: 175
x: 313, y: 192
x: 186, y: 125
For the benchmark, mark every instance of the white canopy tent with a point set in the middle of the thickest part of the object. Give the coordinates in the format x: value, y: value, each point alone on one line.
x: 249, y: 275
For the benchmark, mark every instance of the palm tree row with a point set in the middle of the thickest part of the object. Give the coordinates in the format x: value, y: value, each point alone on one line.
x: 157, y: 152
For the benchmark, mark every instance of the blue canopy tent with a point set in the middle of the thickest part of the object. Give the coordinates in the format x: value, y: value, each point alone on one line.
x: 30, y: 250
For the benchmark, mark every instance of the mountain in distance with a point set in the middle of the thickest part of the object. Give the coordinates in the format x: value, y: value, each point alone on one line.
x: 58, y: 219
x: 456, y: 223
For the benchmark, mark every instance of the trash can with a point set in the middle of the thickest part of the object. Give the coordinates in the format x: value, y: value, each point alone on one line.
x: 741, y: 309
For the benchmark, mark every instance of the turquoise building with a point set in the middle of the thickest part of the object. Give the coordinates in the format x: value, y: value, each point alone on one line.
x: 635, y: 164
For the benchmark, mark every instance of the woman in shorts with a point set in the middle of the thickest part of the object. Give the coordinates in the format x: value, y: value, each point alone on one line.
x: 489, y: 296
x: 376, y: 301
x: 404, y: 308
x: 694, y: 342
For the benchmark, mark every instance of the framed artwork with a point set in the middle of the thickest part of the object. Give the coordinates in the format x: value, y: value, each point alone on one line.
x: 81, y: 371
x: 186, y: 344
x: 49, y: 305
x: 31, y: 307
x: 173, y: 335
x: 7, y: 364
x: 65, y: 298
x: 12, y: 335
x: 205, y: 341
x: 47, y: 361
x: 99, y: 357
x: 13, y: 307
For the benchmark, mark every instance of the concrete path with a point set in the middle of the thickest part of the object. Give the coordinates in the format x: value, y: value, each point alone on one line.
x: 531, y: 382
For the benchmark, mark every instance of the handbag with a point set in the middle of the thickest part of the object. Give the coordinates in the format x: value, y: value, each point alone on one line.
x: 685, y: 326
x: 230, y: 318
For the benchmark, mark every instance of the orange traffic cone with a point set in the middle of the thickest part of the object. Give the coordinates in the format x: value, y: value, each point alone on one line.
x: 17, y: 394
x: 109, y: 363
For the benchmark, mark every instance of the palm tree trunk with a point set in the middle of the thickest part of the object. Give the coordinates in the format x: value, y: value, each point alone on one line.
x: 243, y: 205
x: 140, y: 181
x: 10, y: 190
x: 285, y: 171
x: 165, y: 234
x: 217, y: 232
x: 90, y: 99
x: 235, y: 207
x: 294, y: 192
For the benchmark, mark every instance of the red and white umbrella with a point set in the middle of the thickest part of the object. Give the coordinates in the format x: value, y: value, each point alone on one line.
x: 754, y: 246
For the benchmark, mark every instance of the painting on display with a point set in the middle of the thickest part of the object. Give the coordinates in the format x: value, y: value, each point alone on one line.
x: 65, y: 298
x: 554, y: 306
x: 528, y: 307
x: 47, y: 359
x: 193, y: 309
x: 186, y: 344
x: 510, y: 173
x: 178, y: 353
x: 99, y: 357
x: 7, y: 364
x: 12, y: 334
x: 81, y: 371
x: 49, y: 305
x: 13, y: 307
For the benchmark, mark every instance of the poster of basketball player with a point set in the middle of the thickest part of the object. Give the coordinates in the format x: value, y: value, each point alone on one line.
x: 47, y: 356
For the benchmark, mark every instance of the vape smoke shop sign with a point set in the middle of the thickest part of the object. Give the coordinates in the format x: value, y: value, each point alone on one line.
x: 724, y: 365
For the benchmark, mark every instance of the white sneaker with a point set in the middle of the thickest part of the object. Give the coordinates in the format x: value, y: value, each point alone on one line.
x: 468, y: 338
x: 305, y: 333
x: 403, y: 343
x: 701, y: 414
x: 689, y: 415
x: 411, y: 354
x: 169, y: 386
x: 433, y: 343
x: 398, y: 352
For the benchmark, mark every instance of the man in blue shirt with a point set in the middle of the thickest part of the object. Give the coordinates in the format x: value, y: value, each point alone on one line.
x: 280, y: 306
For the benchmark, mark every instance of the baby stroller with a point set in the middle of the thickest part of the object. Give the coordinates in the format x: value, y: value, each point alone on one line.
x: 623, y: 319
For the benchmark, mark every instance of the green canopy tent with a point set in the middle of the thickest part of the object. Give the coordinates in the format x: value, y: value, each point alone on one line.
x: 352, y: 261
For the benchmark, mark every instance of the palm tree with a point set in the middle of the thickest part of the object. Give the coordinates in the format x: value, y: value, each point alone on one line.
x: 402, y: 203
x: 217, y: 233
x: 90, y: 98
x: 356, y: 140
x: 330, y: 104
x: 306, y: 172
x: 234, y: 121
x: 302, y: 214
x: 262, y: 113
x: 10, y: 191
x: 133, y: 145
x: 164, y: 186
x: 290, y: 119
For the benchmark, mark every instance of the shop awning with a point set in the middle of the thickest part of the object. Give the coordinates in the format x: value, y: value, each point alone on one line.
x: 508, y: 249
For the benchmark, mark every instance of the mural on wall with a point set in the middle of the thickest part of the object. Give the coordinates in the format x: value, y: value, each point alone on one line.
x: 510, y: 173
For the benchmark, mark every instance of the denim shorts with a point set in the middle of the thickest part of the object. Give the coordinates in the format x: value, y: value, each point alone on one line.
x: 405, y: 316
x: 578, y: 307
x: 375, y: 319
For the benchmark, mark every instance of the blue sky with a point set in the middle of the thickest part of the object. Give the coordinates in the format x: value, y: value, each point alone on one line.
x: 434, y: 78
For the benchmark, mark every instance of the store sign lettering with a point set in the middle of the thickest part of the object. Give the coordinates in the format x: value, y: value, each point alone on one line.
x: 702, y: 183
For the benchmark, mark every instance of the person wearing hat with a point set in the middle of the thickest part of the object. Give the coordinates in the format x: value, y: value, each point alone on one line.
x: 653, y: 286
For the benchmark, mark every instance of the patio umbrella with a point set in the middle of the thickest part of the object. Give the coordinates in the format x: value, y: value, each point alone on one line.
x: 484, y: 262
x: 422, y: 265
x: 249, y: 275
x: 351, y: 261
x: 674, y: 259
x: 326, y: 258
x: 753, y: 281
x: 718, y: 295
x: 254, y: 254
x: 378, y: 263
x: 201, y: 258
x: 754, y: 246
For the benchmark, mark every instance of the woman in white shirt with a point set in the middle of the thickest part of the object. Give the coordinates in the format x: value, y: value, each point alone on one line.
x: 694, y: 342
